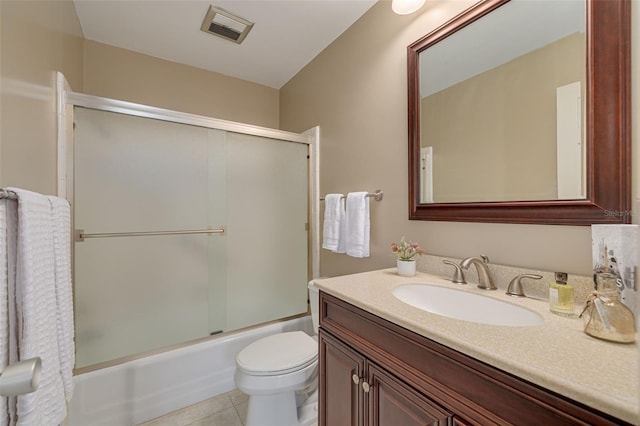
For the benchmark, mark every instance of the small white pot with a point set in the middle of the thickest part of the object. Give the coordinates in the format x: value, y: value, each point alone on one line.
x: 406, y: 268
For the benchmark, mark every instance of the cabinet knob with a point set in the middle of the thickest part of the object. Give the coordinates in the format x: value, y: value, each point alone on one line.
x: 365, y: 387
x: 355, y: 379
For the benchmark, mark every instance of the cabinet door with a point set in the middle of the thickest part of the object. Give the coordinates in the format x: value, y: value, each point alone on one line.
x: 391, y: 402
x: 341, y: 371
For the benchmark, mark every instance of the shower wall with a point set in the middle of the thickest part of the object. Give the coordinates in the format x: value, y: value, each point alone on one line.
x: 139, y: 293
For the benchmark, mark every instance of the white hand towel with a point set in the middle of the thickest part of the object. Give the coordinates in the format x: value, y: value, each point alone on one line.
x: 36, y: 306
x: 357, y: 224
x: 333, y: 232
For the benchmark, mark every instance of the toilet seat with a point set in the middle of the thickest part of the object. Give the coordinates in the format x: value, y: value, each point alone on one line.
x: 278, y: 354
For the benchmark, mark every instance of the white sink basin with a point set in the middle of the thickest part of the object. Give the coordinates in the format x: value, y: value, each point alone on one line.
x: 466, y: 306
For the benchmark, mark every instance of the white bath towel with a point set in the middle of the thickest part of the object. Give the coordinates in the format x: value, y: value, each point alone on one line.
x: 4, y: 302
x: 334, y: 226
x: 61, y: 218
x: 357, y: 224
x: 36, y: 307
x: 9, y: 244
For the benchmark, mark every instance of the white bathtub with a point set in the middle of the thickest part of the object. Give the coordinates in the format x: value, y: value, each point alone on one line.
x: 140, y: 390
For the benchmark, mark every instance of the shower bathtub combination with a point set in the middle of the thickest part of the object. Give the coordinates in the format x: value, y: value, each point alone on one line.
x: 177, y: 219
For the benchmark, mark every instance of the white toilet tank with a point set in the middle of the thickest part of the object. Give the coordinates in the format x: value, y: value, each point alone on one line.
x: 314, y: 302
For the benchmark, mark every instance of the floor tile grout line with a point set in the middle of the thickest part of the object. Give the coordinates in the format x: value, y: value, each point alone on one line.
x: 239, y: 415
x: 182, y: 415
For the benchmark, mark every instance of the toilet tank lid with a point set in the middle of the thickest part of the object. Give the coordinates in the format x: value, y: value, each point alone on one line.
x: 278, y: 353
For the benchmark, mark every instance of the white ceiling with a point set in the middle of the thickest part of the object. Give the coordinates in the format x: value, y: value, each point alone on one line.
x: 286, y: 36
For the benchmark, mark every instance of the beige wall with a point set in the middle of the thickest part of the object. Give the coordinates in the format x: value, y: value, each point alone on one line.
x: 126, y: 75
x: 356, y: 91
x: 37, y: 39
x: 635, y: 116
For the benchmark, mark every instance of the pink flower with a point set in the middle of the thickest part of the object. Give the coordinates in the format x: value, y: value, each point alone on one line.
x: 406, y: 250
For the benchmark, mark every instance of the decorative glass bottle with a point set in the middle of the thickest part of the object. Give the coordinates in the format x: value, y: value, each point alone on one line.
x: 604, y: 316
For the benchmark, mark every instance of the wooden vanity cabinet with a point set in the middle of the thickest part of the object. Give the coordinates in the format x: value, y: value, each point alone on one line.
x: 374, y: 372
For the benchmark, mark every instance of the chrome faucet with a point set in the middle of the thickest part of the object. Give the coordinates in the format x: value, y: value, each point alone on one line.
x: 481, y: 263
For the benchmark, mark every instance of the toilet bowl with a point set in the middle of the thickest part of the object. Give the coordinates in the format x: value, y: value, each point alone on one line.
x: 280, y: 375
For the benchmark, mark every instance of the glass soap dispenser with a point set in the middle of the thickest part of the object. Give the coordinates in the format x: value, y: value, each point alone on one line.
x: 604, y: 316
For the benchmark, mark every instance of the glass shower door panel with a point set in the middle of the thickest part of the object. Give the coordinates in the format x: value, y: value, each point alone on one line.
x: 138, y: 174
x: 266, y: 222
x: 135, y: 294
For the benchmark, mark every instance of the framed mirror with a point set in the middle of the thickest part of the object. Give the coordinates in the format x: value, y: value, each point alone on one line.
x: 519, y: 112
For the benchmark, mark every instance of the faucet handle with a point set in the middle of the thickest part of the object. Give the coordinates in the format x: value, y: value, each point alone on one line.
x: 458, y: 274
x: 515, y: 286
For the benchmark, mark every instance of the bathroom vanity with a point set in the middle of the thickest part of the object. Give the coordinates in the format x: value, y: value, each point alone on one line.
x: 383, y: 362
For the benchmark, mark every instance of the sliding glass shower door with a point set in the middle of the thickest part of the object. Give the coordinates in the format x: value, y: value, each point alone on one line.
x: 228, y: 213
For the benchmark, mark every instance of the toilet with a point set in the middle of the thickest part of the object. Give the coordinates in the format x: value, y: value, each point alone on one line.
x: 280, y: 375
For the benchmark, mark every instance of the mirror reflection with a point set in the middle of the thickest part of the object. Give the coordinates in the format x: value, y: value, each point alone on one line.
x: 502, y: 111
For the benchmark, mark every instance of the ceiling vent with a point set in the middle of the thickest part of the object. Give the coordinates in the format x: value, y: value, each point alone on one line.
x: 225, y: 24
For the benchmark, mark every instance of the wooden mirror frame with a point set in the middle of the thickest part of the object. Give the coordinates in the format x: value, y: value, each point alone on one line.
x: 608, y: 129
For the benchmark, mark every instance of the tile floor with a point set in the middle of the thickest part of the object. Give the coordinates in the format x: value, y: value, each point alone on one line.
x: 228, y: 409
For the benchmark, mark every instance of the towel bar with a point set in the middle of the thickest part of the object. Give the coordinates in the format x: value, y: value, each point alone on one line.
x: 376, y: 195
x: 6, y: 194
x: 21, y: 378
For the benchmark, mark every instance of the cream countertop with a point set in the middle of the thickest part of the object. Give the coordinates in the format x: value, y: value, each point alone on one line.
x: 556, y: 355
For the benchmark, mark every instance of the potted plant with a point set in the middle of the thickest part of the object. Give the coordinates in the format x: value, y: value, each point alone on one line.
x: 406, y: 251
